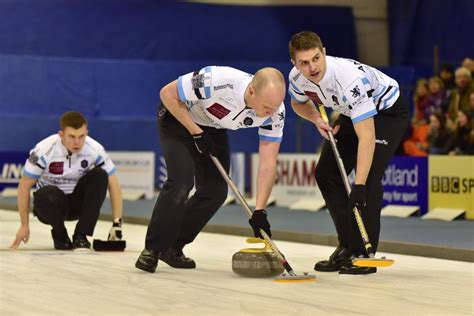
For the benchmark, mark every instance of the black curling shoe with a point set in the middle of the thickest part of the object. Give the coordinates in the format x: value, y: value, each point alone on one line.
x: 148, y: 260
x: 80, y: 243
x: 349, y: 268
x: 61, y: 240
x: 339, y: 257
x: 176, y: 259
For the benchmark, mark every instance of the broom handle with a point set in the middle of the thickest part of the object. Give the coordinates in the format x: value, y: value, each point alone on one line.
x: 249, y: 212
x: 345, y: 179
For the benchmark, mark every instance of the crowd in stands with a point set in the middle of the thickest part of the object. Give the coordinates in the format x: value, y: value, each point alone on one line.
x: 443, y: 114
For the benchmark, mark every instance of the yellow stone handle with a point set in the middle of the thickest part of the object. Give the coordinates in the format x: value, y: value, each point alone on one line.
x: 254, y: 240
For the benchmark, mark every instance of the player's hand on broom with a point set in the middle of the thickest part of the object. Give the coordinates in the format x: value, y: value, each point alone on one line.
x: 115, y: 232
x: 23, y: 234
x: 357, y: 197
x: 323, y: 127
x: 259, y: 221
x: 204, y: 144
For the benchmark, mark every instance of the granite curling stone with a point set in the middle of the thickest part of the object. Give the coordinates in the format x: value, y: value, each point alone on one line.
x: 256, y: 262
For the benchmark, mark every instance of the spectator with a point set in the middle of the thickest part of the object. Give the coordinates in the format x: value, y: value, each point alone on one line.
x: 471, y: 105
x: 417, y: 144
x: 436, y: 98
x: 469, y: 64
x: 464, y: 138
x: 420, y: 100
x: 446, y: 74
x: 459, y: 98
x: 440, y: 138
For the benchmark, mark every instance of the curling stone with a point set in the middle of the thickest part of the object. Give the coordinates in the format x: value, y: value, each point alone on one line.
x: 256, y: 262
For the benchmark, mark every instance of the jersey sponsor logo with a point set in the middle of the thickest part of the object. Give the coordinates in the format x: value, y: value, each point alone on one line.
x: 84, y: 164
x: 56, y: 167
x: 197, y: 81
x: 248, y: 121
x: 218, y: 110
x: 223, y: 86
x: 313, y: 96
x: 295, y: 77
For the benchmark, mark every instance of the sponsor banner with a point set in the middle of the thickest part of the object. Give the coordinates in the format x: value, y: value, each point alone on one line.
x: 451, y: 183
x: 295, y: 178
x: 11, y: 164
x: 405, y: 182
x: 135, y: 171
x: 237, y: 171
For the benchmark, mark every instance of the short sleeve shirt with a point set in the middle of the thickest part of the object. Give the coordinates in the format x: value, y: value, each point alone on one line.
x: 51, y: 163
x: 214, y: 97
x: 349, y: 87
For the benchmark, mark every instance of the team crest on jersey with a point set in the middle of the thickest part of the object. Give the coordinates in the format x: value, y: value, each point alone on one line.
x: 313, y: 96
x: 56, y: 167
x: 218, y: 110
x: 355, y: 92
x: 355, y: 97
x: 84, y: 163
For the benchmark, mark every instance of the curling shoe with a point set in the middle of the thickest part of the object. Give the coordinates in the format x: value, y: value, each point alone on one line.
x: 80, y: 243
x: 61, y: 240
x: 349, y: 268
x: 339, y: 257
x: 148, y: 260
x: 176, y: 259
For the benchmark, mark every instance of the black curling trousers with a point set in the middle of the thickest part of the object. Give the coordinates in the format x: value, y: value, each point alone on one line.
x: 390, y: 126
x: 52, y: 206
x: 177, y: 220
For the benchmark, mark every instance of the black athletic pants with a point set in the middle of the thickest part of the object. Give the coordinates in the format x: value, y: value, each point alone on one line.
x: 52, y: 206
x: 390, y: 126
x: 177, y: 220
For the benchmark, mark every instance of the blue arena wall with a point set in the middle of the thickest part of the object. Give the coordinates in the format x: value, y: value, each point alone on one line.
x: 109, y: 59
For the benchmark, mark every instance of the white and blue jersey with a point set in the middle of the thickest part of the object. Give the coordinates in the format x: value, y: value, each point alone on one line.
x: 214, y: 97
x: 52, y: 164
x: 349, y: 87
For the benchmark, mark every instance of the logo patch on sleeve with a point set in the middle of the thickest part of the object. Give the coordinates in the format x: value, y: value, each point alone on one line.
x: 355, y: 96
x: 218, y: 110
x: 33, y: 158
x: 56, y: 167
x: 197, y: 81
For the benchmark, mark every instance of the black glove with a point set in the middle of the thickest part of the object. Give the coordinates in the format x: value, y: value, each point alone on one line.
x: 259, y: 221
x: 204, y: 144
x: 115, y: 232
x: 357, y: 197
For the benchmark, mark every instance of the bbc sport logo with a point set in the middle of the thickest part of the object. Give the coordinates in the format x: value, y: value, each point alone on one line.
x: 456, y: 185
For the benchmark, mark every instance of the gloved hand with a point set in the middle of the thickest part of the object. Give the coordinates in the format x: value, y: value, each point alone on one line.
x: 115, y: 232
x: 259, y: 221
x: 357, y: 197
x: 204, y: 144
